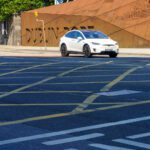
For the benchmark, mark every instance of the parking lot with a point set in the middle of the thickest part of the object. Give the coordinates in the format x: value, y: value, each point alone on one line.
x: 74, y: 103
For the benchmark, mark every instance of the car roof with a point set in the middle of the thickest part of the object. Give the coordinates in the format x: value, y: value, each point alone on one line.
x: 85, y: 30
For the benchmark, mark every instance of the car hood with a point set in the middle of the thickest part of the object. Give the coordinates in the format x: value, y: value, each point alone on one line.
x: 101, y: 41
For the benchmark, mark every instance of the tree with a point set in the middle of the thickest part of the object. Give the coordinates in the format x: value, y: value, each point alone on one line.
x: 9, y: 7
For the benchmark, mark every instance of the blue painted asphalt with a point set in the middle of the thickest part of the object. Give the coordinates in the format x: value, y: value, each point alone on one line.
x: 40, y: 110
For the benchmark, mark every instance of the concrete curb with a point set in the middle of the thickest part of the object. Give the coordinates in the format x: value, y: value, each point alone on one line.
x: 5, y: 47
x: 28, y: 51
x: 136, y: 51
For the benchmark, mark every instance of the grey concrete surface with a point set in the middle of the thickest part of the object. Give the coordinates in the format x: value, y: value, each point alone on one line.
x: 28, y: 51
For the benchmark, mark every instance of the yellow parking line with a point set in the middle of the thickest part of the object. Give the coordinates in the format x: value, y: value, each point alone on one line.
x: 79, y: 82
x: 48, y: 79
x: 94, y: 82
x: 3, y: 63
x: 72, y: 70
x: 39, y: 118
x: 142, y: 81
x: 22, y: 62
x: 20, y: 77
x: 101, y: 70
x: 39, y: 72
x: 19, y: 70
x: 115, y: 106
x: 61, y: 104
x: 104, y: 75
x: 106, y: 88
x: 26, y: 87
x: 11, y: 84
x: 91, y: 76
x: 135, y: 81
x: 51, y: 91
x: 118, y: 79
x: 34, y: 119
x: 140, y: 74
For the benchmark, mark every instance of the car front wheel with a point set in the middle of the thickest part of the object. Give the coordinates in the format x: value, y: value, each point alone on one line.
x: 87, y: 51
x: 63, y: 50
x: 113, y: 55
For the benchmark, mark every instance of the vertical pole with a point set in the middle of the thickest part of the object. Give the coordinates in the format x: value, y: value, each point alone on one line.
x: 56, y: 2
x: 44, y: 34
x: 43, y: 27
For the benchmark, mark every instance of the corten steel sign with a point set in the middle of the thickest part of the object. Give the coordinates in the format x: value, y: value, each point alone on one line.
x: 127, y: 22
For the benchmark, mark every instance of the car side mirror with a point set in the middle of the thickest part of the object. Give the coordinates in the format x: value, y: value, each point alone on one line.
x: 79, y: 38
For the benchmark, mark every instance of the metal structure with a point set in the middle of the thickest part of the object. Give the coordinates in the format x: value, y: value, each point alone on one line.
x: 127, y: 22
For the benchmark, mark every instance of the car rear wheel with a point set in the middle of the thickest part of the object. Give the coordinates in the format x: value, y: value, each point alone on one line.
x: 113, y: 55
x: 63, y: 50
x: 87, y: 51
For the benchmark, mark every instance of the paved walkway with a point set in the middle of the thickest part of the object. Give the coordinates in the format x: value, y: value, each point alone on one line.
x: 27, y: 51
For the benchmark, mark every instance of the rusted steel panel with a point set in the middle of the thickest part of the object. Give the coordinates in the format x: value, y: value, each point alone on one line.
x: 128, y: 21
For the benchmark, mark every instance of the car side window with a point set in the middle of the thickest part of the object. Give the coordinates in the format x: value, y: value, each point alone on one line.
x: 71, y: 34
x: 78, y: 34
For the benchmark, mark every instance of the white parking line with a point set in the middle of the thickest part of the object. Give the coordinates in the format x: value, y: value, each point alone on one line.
x: 139, y: 135
x: 116, y: 93
x: 73, y: 139
x: 133, y: 143
x: 108, y: 147
x: 75, y: 130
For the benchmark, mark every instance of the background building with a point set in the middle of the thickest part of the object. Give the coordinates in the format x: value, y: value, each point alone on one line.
x: 127, y: 22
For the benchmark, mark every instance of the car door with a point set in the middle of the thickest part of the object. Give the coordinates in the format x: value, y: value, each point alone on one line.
x: 69, y: 40
x: 78, y: 42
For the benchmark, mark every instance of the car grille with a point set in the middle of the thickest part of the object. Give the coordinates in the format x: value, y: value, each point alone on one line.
x: 108, y: 44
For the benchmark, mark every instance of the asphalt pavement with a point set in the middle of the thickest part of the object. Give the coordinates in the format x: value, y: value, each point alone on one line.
x: 74, y: 103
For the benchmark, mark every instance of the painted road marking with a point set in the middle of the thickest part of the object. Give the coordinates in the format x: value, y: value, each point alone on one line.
x: 70, y: 113
x: 105, y: 75
x: 116, y: 93
x: 108, y: 147
x: 90, y: 76
x: 22, y: 77
x: 3, y: 63
x: 115, y: 107
x: 106, y: 88
x: 133, y: 143
x: 83, y: 67
x: 48, y: 79
x: 137, y: 136
x: 73, y: 139
x: 37, y: 92
x: 101, y: 70
x: 26, y: 87
x: 118, y: 79
x: 61, y: 104
x: 19, y: 70
x: 75, y: 130
x: 96, y: 82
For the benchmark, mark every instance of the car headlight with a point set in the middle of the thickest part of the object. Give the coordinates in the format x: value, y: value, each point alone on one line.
x: 95, y: 43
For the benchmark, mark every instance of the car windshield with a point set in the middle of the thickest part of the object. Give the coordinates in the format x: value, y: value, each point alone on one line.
x: 94, y: 35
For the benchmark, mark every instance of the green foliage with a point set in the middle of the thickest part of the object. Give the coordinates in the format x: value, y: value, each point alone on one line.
x: 9, y: 7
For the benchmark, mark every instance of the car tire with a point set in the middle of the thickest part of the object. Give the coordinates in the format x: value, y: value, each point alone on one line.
x: 63, y: 50
x: 113, y: 55
x: 87, y: 51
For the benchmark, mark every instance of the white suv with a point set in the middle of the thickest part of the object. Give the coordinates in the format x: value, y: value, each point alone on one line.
x: 88, y: 42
